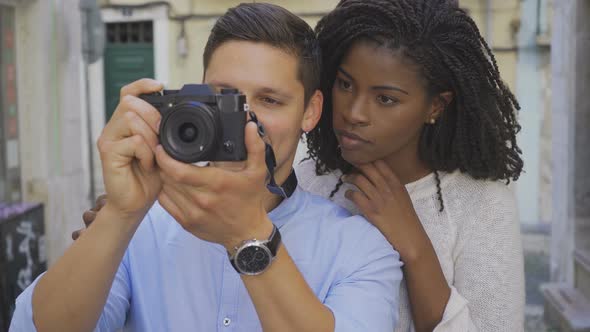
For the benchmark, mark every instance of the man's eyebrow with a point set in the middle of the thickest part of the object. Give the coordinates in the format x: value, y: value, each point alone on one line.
x: 283, y: 94
x: 221, y: 85
x: 262, y: 90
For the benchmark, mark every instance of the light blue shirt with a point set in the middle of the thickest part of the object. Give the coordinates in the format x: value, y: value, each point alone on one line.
x: 169, y: 280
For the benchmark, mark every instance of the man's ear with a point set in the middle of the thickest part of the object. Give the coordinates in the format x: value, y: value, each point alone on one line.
x: 439, y: 105
x: 313, y: 111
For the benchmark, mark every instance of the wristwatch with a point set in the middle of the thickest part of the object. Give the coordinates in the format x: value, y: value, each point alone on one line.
x: 253, y: 257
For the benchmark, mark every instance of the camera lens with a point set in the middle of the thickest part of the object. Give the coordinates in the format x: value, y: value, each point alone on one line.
x: 189, y: 131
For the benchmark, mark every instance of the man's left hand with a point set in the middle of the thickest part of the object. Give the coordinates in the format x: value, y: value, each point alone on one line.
x: 216, y: 204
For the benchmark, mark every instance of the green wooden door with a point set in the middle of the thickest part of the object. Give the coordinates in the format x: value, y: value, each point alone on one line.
x: 129, y: 56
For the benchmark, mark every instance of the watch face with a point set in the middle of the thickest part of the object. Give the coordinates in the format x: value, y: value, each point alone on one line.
x: 253, y: 259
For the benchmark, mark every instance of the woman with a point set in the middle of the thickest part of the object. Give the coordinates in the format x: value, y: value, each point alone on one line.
x: 419, y: 135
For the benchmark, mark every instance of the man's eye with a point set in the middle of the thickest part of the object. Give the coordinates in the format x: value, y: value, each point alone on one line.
x: 386, y: 100
x: 270, y: 101
x: 343, y: 85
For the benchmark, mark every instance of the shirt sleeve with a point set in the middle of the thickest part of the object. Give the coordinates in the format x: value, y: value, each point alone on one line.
x: 22, y: 318
x: 488, y: 289
x: 115, y: 310
x: 367, y: 299
x: 112, y: 317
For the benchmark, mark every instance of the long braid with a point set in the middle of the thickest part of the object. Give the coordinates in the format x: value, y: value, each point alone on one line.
x: 439, y: 192
x: 337, y: 187
x: 476, y: 134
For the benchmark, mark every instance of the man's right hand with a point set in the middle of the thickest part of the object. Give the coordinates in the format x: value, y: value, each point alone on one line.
x: 126, y: 147
x: 79, y: 282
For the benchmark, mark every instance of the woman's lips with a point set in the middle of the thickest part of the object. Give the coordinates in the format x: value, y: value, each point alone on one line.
x: 350, y: 141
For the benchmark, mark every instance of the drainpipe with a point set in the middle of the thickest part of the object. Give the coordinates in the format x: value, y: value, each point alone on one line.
x: 92, y: 45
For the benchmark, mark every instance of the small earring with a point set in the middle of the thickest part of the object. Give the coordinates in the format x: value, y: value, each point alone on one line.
x: 432, y: 121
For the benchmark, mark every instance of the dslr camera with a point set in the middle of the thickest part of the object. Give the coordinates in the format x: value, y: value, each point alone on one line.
x: 199, y: 124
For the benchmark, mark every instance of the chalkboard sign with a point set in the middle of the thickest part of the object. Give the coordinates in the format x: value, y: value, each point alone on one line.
x: 22, y: 253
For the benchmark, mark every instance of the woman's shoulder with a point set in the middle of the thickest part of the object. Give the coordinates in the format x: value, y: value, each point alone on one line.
x: 318, y: 184
x: 473, y: 190
x: 478, y: 202
x: 323, y: 185
x: 460, y: 189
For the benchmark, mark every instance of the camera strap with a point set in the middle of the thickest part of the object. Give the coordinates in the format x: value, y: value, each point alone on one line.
x: 288, y: 187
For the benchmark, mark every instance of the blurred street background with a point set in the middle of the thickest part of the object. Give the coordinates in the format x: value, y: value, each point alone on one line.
x: 63, y: 62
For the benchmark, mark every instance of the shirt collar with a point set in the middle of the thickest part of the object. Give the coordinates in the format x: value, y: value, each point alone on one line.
x: 281, y: 214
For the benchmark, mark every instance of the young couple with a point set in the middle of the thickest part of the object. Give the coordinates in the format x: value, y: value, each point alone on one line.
x: 409, y: 128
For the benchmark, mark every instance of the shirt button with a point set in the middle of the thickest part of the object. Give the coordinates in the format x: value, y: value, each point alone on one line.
x: 226, y: 321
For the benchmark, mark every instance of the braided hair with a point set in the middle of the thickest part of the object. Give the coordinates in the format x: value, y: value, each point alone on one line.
x: 476, y: 133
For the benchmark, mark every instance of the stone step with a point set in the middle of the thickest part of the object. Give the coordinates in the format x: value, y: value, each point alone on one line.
x: 582, y: 271
x: 566, y: 308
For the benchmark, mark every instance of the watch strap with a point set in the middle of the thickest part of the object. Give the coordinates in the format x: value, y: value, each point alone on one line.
x: 274, y: 241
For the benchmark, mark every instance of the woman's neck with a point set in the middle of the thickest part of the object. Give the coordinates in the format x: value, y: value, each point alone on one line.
x: 407, y: 165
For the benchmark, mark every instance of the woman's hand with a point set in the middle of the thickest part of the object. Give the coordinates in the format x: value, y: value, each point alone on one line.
x: 384, y: 201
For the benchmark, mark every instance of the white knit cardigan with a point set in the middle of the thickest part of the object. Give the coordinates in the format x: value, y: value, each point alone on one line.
x: 477, y: 241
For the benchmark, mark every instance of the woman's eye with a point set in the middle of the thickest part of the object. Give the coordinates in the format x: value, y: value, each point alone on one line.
x: 386, y: 100
x: 344, y: 85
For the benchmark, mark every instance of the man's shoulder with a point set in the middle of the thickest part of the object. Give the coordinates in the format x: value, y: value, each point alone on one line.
x: 321, y: 204
x: 322, y: 211
x: 329, y: 220
x: 328, y: 243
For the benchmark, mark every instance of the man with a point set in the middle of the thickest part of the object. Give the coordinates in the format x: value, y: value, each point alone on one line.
x: 164, y: 266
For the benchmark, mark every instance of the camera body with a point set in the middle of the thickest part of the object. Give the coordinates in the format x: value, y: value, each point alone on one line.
x: 199, y: 124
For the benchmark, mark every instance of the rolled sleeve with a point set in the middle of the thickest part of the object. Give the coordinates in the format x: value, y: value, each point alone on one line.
x: 456, y: 316
x: 113, y: 315
x: 22, y: 319
x: 115, y: 310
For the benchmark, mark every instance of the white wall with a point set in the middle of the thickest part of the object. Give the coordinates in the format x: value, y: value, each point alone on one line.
x: 51, y: 116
